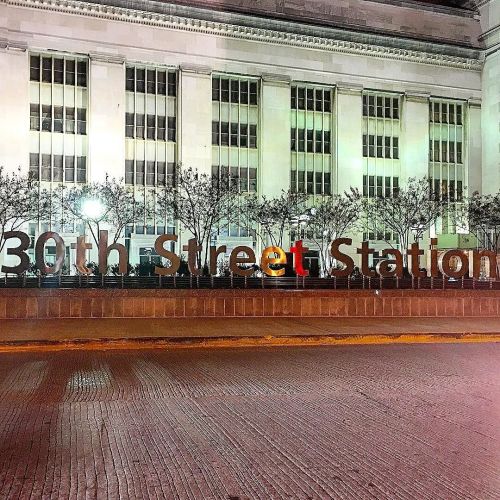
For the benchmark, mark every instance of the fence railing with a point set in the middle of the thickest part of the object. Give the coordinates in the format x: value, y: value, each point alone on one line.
x: 238, y: 282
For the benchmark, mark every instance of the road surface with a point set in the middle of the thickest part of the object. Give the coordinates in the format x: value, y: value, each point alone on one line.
x: 393, y: 421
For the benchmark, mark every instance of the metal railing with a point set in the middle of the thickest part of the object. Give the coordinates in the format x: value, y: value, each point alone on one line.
x: 238, y: 282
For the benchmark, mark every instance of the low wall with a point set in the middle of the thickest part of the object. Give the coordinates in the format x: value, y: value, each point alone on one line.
x: 112, y: 303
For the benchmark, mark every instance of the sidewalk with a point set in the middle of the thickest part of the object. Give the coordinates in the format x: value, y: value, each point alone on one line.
x: 115, y: 333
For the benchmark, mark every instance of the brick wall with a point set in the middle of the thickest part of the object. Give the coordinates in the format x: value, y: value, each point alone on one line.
x: 55, y: 303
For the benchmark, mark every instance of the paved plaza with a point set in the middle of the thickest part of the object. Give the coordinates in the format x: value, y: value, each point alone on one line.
x: 392, y: 421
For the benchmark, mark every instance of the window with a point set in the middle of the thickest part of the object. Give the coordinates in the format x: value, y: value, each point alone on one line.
x: 130, y: 79
x: 172, y: 84
x: 151, y: 81
x: 139, y: 172
x: 81, y: 121
x: 81, y: 169
x: 70, y: 120
x: 387, y: 147
x: 58, y: 168
x: 59, y: 71
x: 371, y: 146
x: 171, y: 128
x: 253, y: 136
x: 234, y: 135
x: 151, y: 127
x: 69, y: 168
x: 310, y: 141
x: 129, y: 171
x: 129, y: 125
x: 35, y: 68
x: 380, y: 186
x: 150, y: 173
x: 47, y: 69
x: 34, y: 117
x: 161, y: 128
x: 310, y: 99
x: 161, y: 87
x: 47, y: 118
x: 139, y: 126
x: 81, y: 76
x: 395, y: 147
x: 380, y: 148
x: 70, y: 72
x: 34, y: 166
x: 140, y: 80
x: 48, y: 74
x: 326, y: 141
x: 46, y: 168
x: 444, y: 151
x: 58, y: 119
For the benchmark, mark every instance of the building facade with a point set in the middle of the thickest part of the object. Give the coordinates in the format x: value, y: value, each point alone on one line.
x: 314, y: 96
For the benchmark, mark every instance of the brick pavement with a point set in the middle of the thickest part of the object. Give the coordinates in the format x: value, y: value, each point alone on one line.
x: 385, y: 422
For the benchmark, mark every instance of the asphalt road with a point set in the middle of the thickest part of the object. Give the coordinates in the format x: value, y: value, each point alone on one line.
x: 393, y: 421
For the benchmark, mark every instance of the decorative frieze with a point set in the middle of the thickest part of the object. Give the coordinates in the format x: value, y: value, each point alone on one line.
x: 225, y: 29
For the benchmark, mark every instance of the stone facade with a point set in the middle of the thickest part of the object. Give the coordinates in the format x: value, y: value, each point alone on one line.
x: 396, y: 48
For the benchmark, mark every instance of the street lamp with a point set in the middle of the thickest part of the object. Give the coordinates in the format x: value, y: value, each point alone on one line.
x: 92, y: 208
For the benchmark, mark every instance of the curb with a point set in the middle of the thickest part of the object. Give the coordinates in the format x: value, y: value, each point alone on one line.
x: 262, y: 341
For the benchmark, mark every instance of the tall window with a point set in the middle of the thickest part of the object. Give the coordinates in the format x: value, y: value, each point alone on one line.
x: 380, y: 141
x: 58, y: 118
x: 447, y: 168
x: 311, y: 139
x: 235, y: 136
x: 150, y: 125
x: 381, y: 150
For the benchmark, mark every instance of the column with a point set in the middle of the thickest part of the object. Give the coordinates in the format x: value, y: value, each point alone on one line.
x: 349, y: 138
x: 414, y: 143
x: 14, y: 103
x: 195, y: 117
x: 490, y: 123
x: 274, y: 147
x: 106, y: 127
x: 473, y: 147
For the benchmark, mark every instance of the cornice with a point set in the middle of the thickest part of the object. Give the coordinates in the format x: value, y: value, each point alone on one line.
x: 474, y: 102
x: 12, y: 46
x: 275, y: 79
x: 196, y: 69
x: 420, y: 97
x: 348, y: 88
x: 107, y: 58
x: 227, y: 30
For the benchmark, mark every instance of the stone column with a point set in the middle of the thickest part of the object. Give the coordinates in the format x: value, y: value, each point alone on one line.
x: 473, y: 147
x: 194, y: 140
x: 15, y: 106
x: 274, y: 135
x: 490, y: 123
x: 349, y: 138
x: 414, y: 143
x: 106, y: 126
x: 490, y: 113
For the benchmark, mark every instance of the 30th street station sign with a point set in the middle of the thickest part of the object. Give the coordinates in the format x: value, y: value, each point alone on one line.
x: 392, y: 265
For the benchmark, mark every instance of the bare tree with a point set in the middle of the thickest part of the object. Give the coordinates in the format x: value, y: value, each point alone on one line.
x: 271, y: 218
x: 201, y: 203
x: 21, y: 201
x: 332, y: 217
x: 99, y: 205
x: 480, y: 215
x: 411, y: 210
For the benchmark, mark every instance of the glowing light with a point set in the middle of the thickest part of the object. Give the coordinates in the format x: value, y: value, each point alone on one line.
x: 92, y: 209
